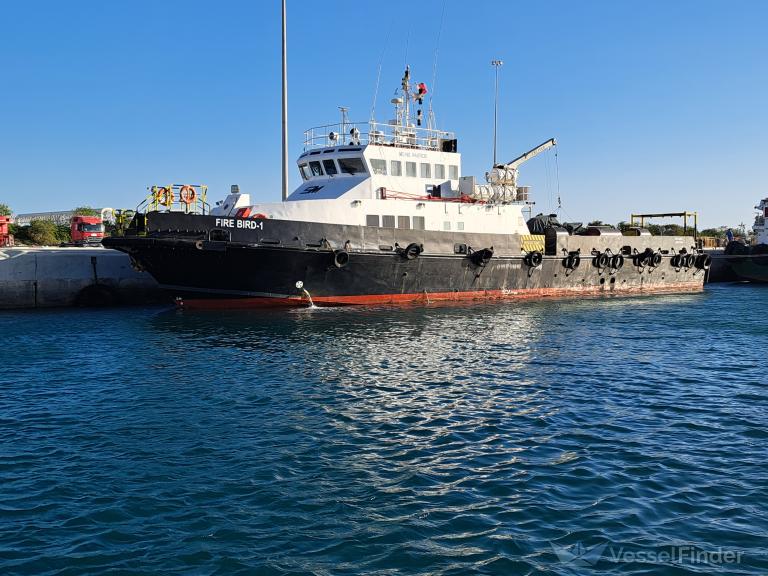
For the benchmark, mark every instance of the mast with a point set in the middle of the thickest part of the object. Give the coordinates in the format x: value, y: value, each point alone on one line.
x: 496, y: 64
x: 285, y: 112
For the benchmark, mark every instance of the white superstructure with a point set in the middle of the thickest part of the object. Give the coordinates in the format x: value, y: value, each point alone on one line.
x: 394, y: 175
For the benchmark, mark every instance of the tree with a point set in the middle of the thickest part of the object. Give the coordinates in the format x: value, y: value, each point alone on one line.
x: 596, y: 223
x: 85, y: 211
x: 5, y: 210
x: 43, y: 232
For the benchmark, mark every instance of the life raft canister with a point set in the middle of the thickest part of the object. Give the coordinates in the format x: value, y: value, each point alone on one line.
x: 188, y: 194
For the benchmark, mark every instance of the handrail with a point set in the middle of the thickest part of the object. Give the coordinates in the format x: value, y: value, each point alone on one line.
x: 361, y: 133
x: 169, y: 199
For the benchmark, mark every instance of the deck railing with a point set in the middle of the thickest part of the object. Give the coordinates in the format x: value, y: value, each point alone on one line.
x: 362, y: 133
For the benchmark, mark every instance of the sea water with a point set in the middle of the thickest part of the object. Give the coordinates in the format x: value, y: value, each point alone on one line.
x: 612, y: 436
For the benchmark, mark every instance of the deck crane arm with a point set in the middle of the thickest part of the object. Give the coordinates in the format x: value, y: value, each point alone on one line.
x: 528, y: 155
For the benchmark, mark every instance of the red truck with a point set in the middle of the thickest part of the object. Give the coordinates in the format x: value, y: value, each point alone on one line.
x: 87, y: 230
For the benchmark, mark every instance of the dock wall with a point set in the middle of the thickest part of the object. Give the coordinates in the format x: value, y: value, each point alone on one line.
x: 48, y: 277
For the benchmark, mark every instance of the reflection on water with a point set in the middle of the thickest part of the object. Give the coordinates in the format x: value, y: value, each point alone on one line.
x: 442, y: 439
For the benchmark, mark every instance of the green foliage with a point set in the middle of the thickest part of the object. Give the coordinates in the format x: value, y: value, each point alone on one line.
x: 43, y: 233
x: 596, y: 223
x: 5, y: 210
x: 85, y: 211
x: 63, y: 233
x: 714, y: 232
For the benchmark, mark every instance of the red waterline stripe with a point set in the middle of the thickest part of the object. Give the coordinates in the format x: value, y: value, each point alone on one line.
x: 523, y: 294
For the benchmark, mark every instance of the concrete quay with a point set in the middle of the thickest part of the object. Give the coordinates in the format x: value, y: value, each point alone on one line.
x: 50, y: 277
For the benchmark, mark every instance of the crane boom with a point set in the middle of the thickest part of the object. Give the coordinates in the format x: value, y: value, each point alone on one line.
x: 528, y: 155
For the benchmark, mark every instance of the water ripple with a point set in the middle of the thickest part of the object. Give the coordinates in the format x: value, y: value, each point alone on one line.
x: 446, y: 440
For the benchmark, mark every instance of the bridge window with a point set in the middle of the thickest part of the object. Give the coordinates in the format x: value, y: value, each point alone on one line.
x: 418, y: 223
x: 330, y: 167
x: 372, y: 220
x: 440, y: 171
x: 316, y: 168
x: 305, y: 173
x: 426, y: 170
x: 387, y: 221
x: 459, y: 225
x: 397, y: 168
x: 379, y: 166
x: 446, y: 226
x: 404, y: 222
x: 352, y: 166
x: 453, y: 172
x: 410, y: 169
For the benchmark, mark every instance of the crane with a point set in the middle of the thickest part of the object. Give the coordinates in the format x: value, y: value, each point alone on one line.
x: 528, y: 155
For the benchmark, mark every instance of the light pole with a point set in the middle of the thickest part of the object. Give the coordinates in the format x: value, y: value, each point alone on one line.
x: 496, y: 64
x: 285, y: 111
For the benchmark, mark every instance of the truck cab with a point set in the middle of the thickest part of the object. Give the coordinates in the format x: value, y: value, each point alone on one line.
x: 87, y: 230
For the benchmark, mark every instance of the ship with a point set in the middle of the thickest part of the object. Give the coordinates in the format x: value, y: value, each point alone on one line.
x: 750, y: 261
x: 384, y: 214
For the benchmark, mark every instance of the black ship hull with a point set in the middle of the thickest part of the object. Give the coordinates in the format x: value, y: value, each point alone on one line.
x: 202, y: 263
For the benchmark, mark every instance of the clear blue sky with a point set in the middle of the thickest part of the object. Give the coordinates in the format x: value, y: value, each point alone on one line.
x: 657, y: 105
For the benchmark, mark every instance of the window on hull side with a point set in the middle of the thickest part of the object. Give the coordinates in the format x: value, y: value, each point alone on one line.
x: 426, y: 171
x: 410, y: 169
x: 379, y: 166
x: 387, y: 221
x: 404, y: 222
x: 372, y: 220
x: 453, y: 172
x: 418, y: 223
x: 397, y: 168
x: 440, y: 171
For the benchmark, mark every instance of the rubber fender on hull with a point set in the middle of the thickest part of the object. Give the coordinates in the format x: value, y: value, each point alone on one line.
x: 534, y: 259
x: 340, y: 258
x: 572, y: 261
x: 703, y: 261
x: 617, y: 262
x: 412, y: 251
x: 601, y: 260
x: 481, y: 257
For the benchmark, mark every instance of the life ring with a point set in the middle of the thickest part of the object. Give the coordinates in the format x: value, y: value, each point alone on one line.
x: 617, y: 262
x: 340, y: 258
x: 188, y: 194
x: 259, y: 215
x: 163, y: 195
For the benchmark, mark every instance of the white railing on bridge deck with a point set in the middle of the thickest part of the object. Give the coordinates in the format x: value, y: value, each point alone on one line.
x: 362, y: 133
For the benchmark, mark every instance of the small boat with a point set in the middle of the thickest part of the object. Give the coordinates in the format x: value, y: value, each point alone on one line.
x: 750, y: 261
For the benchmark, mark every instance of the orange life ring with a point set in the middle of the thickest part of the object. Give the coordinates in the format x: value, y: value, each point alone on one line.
x: 163, y: 196
x: 188, y: 194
